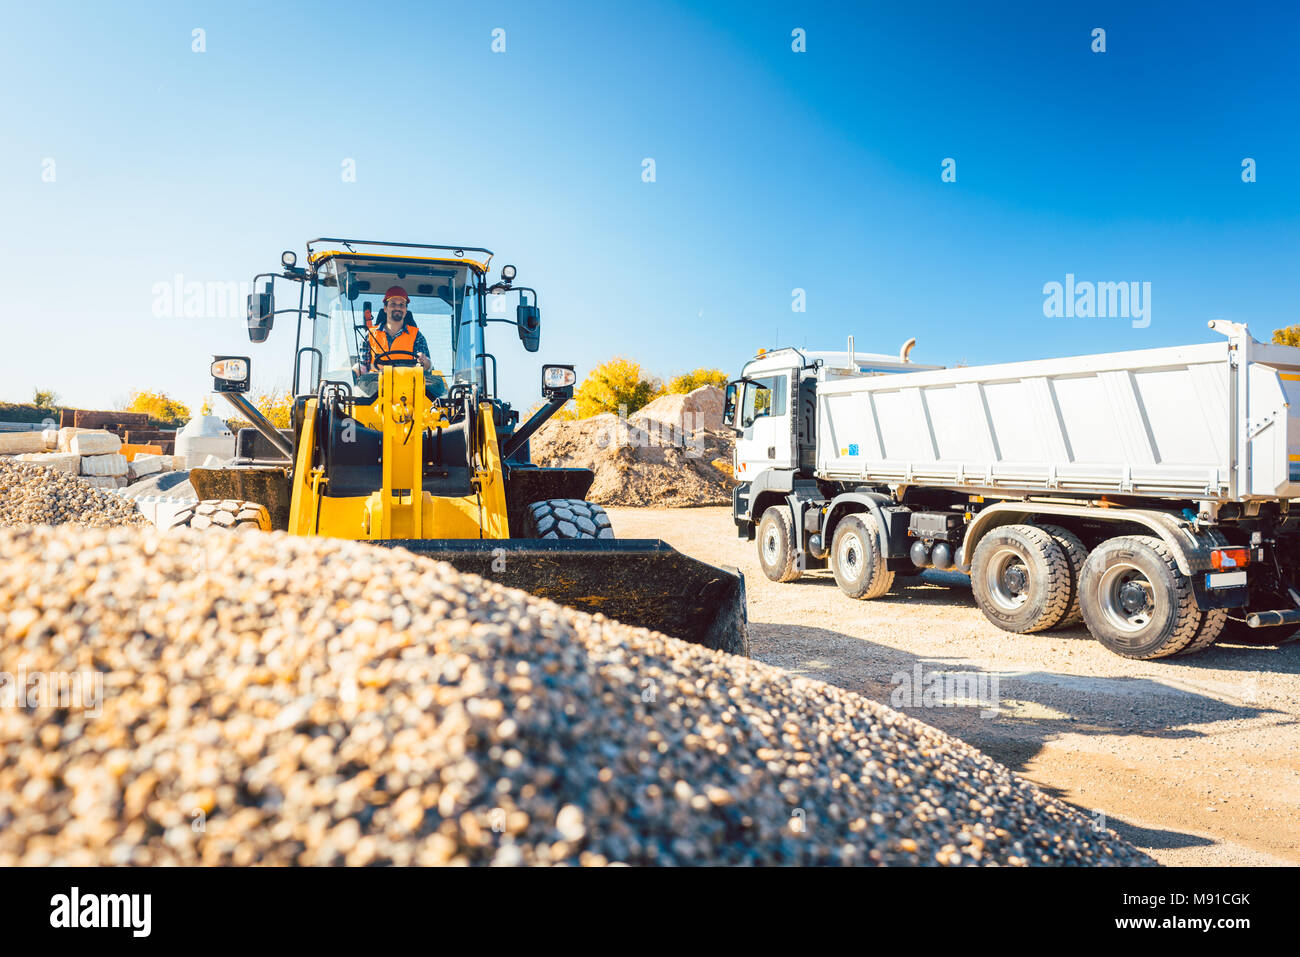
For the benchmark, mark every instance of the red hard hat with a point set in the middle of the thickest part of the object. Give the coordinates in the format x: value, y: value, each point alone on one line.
x: 396, y: 291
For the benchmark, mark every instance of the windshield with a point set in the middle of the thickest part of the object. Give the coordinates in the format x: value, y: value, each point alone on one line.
x: 350, y: 298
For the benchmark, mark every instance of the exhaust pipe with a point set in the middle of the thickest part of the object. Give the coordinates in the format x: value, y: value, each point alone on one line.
x: 1270, y: 619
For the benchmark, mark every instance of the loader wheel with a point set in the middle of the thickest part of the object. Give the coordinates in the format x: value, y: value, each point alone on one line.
x: 1021, y: 579
x: 1137, y: 603
x: 856, y: 558
x: 565, y: 518
x: 775, y: 544
x: 1076, y: 553
x: 225, y: 513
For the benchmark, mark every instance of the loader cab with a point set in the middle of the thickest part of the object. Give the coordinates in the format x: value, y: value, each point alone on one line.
x: 347, y: 302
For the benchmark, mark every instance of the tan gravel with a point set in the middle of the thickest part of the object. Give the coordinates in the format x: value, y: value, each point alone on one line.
x: 1192, y: 759
x: 279, y: 700
x: 36, y: 495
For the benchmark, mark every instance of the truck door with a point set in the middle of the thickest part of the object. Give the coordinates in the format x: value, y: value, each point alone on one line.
x: 766, y: 423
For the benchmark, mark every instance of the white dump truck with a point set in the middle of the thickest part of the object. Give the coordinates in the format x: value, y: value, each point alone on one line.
x: 1148, y: 493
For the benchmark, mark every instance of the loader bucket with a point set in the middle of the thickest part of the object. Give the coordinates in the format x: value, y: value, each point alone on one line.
x: 642, y: 582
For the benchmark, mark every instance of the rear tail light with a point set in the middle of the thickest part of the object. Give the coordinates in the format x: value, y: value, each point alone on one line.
x: 1229, y: 558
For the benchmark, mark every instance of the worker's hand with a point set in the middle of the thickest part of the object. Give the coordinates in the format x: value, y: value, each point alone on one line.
x: 425, y: 362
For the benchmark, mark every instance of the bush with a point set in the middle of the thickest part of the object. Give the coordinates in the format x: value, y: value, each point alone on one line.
x: 276, y: 406
x: 617, y: 383
x: 690, y: 381
x: 26, y: 412
x: 159, y: 407
x: 1290, y: 336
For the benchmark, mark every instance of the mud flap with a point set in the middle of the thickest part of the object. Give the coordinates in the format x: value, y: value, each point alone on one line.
x: 641, y: 582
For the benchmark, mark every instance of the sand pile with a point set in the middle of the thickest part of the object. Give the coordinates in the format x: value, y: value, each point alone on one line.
x: 674, y: 452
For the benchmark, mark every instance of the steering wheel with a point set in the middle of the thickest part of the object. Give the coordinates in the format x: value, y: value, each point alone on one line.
x: 375, y: 360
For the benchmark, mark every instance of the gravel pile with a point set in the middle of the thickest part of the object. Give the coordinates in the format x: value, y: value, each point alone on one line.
x: 36, y: 495
x: 280, y: 700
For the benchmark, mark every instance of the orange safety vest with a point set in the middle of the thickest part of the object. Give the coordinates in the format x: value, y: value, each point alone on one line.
x: 404, y: 341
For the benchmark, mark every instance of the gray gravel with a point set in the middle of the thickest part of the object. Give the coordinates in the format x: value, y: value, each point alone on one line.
x: 281, y: 700
x: 36, y: 495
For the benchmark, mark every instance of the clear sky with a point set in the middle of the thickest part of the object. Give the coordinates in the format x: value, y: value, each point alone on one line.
x: 775, y: 170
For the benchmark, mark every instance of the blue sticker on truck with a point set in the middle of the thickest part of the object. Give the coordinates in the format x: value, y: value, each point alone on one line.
x: 853, y: 449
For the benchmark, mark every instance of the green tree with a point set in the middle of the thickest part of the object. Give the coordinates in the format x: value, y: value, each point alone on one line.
x: 44, y: 398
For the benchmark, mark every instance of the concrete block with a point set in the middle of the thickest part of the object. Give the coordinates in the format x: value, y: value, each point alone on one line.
x: 51, y: 438
x: 143, y: 465
x: 106, y: 482
x: 96, y: 443
x: 65, y: 438
x: 111, y: 464
x: 20, y: 443
x: 62, y: 461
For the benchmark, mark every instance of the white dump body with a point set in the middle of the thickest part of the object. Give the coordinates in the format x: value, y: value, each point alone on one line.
x: 1219, y: 421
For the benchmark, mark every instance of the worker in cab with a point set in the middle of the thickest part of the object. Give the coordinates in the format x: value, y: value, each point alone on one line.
x: 393, y: 332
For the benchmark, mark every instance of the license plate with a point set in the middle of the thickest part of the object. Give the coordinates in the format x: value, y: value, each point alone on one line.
x: 1224, y: 579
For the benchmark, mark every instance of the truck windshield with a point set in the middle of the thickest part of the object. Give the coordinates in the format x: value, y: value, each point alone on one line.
x: 349, y: 300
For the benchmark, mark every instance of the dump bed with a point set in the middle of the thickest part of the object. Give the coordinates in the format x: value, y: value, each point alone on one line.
x: 1218, y: 421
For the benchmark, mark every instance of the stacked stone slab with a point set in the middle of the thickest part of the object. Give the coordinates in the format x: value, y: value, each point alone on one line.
x: 60, y: 461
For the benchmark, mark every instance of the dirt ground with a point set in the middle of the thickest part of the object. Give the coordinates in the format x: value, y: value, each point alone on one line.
x: 1194, y: 760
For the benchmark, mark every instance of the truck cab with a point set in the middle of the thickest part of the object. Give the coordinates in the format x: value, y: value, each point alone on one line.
x: 772, y: 410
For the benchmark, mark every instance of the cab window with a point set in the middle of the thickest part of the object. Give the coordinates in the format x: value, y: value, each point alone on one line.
x: 764, y: 397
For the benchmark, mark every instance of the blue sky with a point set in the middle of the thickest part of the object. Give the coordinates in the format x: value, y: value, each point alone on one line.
x: 775, y: 170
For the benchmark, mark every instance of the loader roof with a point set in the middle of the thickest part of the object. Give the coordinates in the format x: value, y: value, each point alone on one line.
x: 321, y: 249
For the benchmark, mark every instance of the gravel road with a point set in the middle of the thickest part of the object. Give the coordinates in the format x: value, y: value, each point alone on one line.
x: 1193, y: 760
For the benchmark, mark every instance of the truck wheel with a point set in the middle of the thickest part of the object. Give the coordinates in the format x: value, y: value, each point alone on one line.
x: 1211, y: 630
x: 224, y: 513
x: 1021, y: 579
x: 856, y: 558
x: 775, y: 544
x: 1076, y: 553
x: 558, y: 518
x: 1135, y: 600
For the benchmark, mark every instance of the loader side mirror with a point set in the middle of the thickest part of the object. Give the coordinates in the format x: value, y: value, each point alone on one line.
x: 529, y: 319
x: 731, y: 403
x: 261, y: 314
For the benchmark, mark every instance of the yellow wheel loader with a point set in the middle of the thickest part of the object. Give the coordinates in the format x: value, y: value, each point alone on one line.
x: 414, y: 447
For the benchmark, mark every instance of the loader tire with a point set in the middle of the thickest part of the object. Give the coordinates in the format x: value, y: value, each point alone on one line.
x: 222, y: 514
x: 565, y: 518
x: 1020, y: 577
x: 856, y: 558
x: 776, y: 544
x: 1076, y: 553
x: 1137, y: 602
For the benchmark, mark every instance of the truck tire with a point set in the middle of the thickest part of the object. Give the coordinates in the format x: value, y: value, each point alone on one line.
x: 1211, y: 630
x: 565, y: 518
x: 856, y: 558
x: 776, y: 544
x: 1021, y: 579
x: 1135, y: 600
x: 222, y: 514
x: 1076, y: 553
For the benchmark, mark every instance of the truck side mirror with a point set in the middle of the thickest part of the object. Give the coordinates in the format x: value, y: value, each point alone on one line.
x: 529, y: 319
x: 735, y: 391
x: 261, y: 314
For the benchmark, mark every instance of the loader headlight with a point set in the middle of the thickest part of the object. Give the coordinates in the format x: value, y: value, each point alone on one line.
x: 557, y: 379
x: 288, y: 259
x: 230, y: 373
